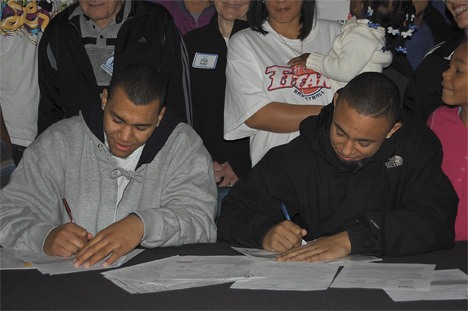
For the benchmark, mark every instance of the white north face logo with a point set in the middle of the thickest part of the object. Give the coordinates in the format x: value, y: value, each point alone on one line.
x: 394, y: 162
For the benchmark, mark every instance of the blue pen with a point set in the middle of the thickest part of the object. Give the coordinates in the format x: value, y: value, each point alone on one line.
x: 285, y: 211
x: 287, y: 217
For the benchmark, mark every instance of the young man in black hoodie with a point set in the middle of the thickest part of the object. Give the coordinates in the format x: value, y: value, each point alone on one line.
x: 362, y: 178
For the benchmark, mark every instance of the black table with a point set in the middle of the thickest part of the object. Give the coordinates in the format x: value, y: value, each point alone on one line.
x: 29, y: 289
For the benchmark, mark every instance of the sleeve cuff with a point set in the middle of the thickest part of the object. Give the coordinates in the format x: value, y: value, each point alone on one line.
x: 362, y: 239
x: 314, y: 61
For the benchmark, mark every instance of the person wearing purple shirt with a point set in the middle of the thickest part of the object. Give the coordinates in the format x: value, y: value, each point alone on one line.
x: 188, y: 14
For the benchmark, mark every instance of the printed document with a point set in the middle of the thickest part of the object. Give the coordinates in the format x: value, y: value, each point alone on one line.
x: 298, y: 276
x: 385, y: 276
x: 263, y: 255
x: 60, y: 265
x: 179, y: 272
x: 449, y: 284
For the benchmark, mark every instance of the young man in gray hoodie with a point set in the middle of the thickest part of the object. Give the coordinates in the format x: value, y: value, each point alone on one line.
x: 130, y: 173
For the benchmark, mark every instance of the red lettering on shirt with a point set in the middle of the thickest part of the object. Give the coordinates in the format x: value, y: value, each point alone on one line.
x: 306, y: 81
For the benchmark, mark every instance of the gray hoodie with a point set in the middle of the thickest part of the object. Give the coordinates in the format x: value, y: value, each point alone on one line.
x: 173, y: 193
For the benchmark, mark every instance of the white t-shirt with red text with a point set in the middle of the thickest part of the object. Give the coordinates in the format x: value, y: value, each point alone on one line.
x: 257, y: 74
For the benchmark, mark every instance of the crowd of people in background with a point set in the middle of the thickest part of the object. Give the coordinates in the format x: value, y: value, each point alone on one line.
x: 258, y: 106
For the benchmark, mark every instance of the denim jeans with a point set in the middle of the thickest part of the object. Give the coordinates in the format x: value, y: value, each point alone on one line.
x: 222, y: 191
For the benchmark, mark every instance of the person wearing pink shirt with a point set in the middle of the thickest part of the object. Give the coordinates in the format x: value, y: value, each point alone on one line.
x: 450, y: 123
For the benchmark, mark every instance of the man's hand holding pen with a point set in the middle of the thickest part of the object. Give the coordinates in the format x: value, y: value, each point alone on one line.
x: 283, y: 237
x: 66, y: 240
x: 114, y: 241
x: 286, y: 238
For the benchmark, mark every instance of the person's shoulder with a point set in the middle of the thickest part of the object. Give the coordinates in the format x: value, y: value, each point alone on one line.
x: 239, y: 25
x: 445, y: 48
x: 301, y: 148
x: 63, y: 16
x: 290, y: 156
x: 185, y: 134
x: 442, y: 115
x: 199, y: 34
x: 328, y: 25
x: 60, y: 133
x: 157, y: 10
x: 185, y: 142
x: 168, y: 4
x: 447, y: 112
x: 418, y: 136
x: 67, y: 126
x: 244, y: 36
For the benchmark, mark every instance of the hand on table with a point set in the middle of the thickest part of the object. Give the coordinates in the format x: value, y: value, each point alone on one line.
x: 66, y: 240
x: 284, y: 236
x: 116, y: 240
x: 325, y: 248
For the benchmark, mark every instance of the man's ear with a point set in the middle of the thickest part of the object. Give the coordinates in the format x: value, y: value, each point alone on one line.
x: 395, y: 128
x: 335, y: 99
x: 161, y: 114
x: 104, y: 98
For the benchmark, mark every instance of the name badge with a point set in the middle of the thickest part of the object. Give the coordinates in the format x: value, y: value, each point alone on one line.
x: 205, y: 61
x: 108, y: 65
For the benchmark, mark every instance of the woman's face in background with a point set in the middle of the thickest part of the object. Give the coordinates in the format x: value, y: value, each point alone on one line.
x: 284, y: 11
x: 231, y: 10
x: 459, y: 10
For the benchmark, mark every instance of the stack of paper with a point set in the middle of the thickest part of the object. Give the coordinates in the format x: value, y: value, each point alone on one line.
x: 180, y: 272
x: 263, y: 255
x: 299, y: 276
x: 60, y: 265
x: 406, y: 282
x: 445, y: 285
x: 270, y: 274
x: 385, y: 276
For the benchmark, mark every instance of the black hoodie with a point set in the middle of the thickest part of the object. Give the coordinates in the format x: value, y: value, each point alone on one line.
x: 396, y: 202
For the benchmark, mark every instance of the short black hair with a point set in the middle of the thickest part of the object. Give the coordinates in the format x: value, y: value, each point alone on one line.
x: 258, y: 15
x: 372, y: 94
x: 140, y: 82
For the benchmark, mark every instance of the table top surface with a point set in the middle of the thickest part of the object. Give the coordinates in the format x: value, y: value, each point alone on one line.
x: 29, y: 289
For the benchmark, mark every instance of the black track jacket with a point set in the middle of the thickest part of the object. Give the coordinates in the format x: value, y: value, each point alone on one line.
x: 66, y: 77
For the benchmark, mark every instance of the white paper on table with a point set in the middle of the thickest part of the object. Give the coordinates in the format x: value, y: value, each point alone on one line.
x: 8, y: 261
x: 257, y: 254
x: 134, y: 286
x: 186, y: 268
x: 449, y: 284
x: 145, y: 272
x: 263, y: 255
x: 61, y: 265
x: 298, y: 276
x: 385, y: 276
x: 207, y: 267
x: 350, y: 259
x: 179, y: 272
